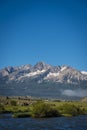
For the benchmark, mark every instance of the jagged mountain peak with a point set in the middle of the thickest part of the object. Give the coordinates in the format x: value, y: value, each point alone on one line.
x: 43, y: 71
x: 25, y: 67
x: 9, y: 69
x: 41, y: 65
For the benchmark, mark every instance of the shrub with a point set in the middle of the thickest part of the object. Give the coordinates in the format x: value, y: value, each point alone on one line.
x: 13, y: 102
x: 41, y: 109
x: 21, y: 115
x: 2, y: 109
x: 70, y: 109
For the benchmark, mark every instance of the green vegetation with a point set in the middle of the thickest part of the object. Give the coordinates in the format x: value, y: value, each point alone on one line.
x: 16, y: 109
x: 21, y: 115
x: 20, y: 107
x: 69, y: 110
x: 2, y: 110
x: 13, y: 103
x: 41, y: 109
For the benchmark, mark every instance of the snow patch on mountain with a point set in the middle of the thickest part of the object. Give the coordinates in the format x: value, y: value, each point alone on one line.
x: 55, y: 75
x: 63, y: 68
x: 84, y: 72
x: 35, y: 73
x: 52, y: 75
x: 31, y: 74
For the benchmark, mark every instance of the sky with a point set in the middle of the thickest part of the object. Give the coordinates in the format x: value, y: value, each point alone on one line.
x: 53, y: 31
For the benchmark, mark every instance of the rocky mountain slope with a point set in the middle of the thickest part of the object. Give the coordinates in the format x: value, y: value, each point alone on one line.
x: 43, y: 76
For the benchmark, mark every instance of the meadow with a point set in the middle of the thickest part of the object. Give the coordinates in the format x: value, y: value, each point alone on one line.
x: 41, y: 108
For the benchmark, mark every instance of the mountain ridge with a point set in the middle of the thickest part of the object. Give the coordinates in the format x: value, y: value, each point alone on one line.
x: 57, y: 73
x: 42, y: 80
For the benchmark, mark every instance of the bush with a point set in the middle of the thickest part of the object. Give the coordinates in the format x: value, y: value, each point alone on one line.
x: 2, y: 109
x: 13, y: 103
x: 41, y: 109
x: 70, y: 109
x: 21, y: 115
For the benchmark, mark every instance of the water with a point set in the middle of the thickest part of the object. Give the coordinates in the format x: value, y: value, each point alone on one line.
x: 59, y: 123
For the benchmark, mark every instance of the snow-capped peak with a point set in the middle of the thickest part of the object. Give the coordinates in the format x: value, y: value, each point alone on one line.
x: 84, y: 72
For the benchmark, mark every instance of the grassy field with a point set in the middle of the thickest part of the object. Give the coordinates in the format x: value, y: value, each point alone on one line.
x: 26, y: 107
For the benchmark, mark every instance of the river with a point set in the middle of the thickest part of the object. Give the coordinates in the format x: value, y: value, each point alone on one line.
x: 58, y: 123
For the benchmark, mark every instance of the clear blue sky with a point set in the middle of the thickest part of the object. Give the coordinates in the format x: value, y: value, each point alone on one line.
x: 53, y: 31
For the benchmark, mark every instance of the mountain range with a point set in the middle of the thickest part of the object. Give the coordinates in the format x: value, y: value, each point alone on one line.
x: 43, y: 80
